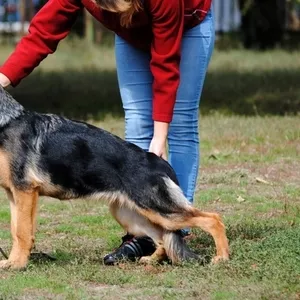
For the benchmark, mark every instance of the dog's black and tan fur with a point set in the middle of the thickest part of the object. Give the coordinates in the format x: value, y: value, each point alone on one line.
x: 47, y: 155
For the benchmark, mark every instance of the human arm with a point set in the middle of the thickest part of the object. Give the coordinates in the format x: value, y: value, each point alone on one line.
x: 168, y: 23
x: 49, y: 26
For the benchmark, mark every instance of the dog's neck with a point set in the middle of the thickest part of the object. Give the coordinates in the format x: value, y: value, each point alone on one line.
x: 9, y: 108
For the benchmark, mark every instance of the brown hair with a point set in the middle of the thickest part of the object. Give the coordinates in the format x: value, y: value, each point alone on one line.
x: 126, y: 9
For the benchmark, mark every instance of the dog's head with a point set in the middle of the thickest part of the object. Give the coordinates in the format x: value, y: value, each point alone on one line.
x: 9, y: 107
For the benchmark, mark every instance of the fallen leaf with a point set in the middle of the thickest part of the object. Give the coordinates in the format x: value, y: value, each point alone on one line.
x: 217, y: 200
x: 260, y: 180
x: 213, y: 157
x: 240, y: 199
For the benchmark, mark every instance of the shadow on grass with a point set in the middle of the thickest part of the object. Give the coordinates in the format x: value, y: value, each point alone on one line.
x: 94, y: 94
x: 275, y: 92
x: 60, y: 257
x: 79, y: 95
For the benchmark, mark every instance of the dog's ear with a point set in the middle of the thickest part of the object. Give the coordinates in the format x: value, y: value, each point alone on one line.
x: 9, y: 107
x: 3, y: 91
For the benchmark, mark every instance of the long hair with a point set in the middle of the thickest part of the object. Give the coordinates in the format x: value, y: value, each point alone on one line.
x: 126, y: 9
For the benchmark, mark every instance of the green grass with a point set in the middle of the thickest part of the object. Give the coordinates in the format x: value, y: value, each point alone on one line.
x: 250, y: 170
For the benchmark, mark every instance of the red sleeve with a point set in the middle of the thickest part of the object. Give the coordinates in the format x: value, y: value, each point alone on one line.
x: 49, y: 26
x: 168, y: 24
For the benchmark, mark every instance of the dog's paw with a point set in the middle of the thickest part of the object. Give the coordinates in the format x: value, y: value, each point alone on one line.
x: 220, y: 258
x: 4, y: 264
x: 12, y: 265
x: 146, y: 260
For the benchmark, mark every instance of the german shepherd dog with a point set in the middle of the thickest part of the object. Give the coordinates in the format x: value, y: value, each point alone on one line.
x: 48, y: 155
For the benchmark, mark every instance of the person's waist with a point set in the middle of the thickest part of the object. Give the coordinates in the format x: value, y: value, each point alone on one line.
x: 194, y: 16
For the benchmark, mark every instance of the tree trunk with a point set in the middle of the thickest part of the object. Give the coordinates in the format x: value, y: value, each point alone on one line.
x: 263, y: 23
x: 22, y: 16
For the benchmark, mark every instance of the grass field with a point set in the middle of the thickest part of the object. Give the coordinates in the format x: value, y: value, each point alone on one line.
x: 82, y: 83
x: 250, y: 172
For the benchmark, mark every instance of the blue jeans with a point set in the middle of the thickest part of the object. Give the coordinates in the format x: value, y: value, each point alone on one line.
x: 135, y: 82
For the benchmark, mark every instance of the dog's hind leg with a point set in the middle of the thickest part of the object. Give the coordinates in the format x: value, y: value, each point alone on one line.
x: 180, y: 214
x: 190, y: 217
x: 138, y: 225
x: 212, y: 224
x: 23, y: 206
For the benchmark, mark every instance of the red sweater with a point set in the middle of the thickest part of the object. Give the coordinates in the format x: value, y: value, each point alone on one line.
x: 158, y: 29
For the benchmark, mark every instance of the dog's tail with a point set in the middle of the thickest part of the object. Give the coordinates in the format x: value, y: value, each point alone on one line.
x: 176, y: 248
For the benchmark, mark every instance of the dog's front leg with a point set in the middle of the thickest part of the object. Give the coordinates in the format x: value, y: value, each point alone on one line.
x: 157, y: 257
x: 23, y: 207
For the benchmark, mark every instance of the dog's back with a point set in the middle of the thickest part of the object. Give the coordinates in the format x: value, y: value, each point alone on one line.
x: 70, y: 159
x: 79, y: 158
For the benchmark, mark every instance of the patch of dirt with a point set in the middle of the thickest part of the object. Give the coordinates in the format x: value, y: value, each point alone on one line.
x: 284, y: 171
x: 112, y: 292
x: 32, y: 294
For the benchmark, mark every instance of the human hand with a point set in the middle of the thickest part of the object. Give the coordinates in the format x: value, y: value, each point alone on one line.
x: 4, y: 81
x: 159, y: 140
x: 158, y: 147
